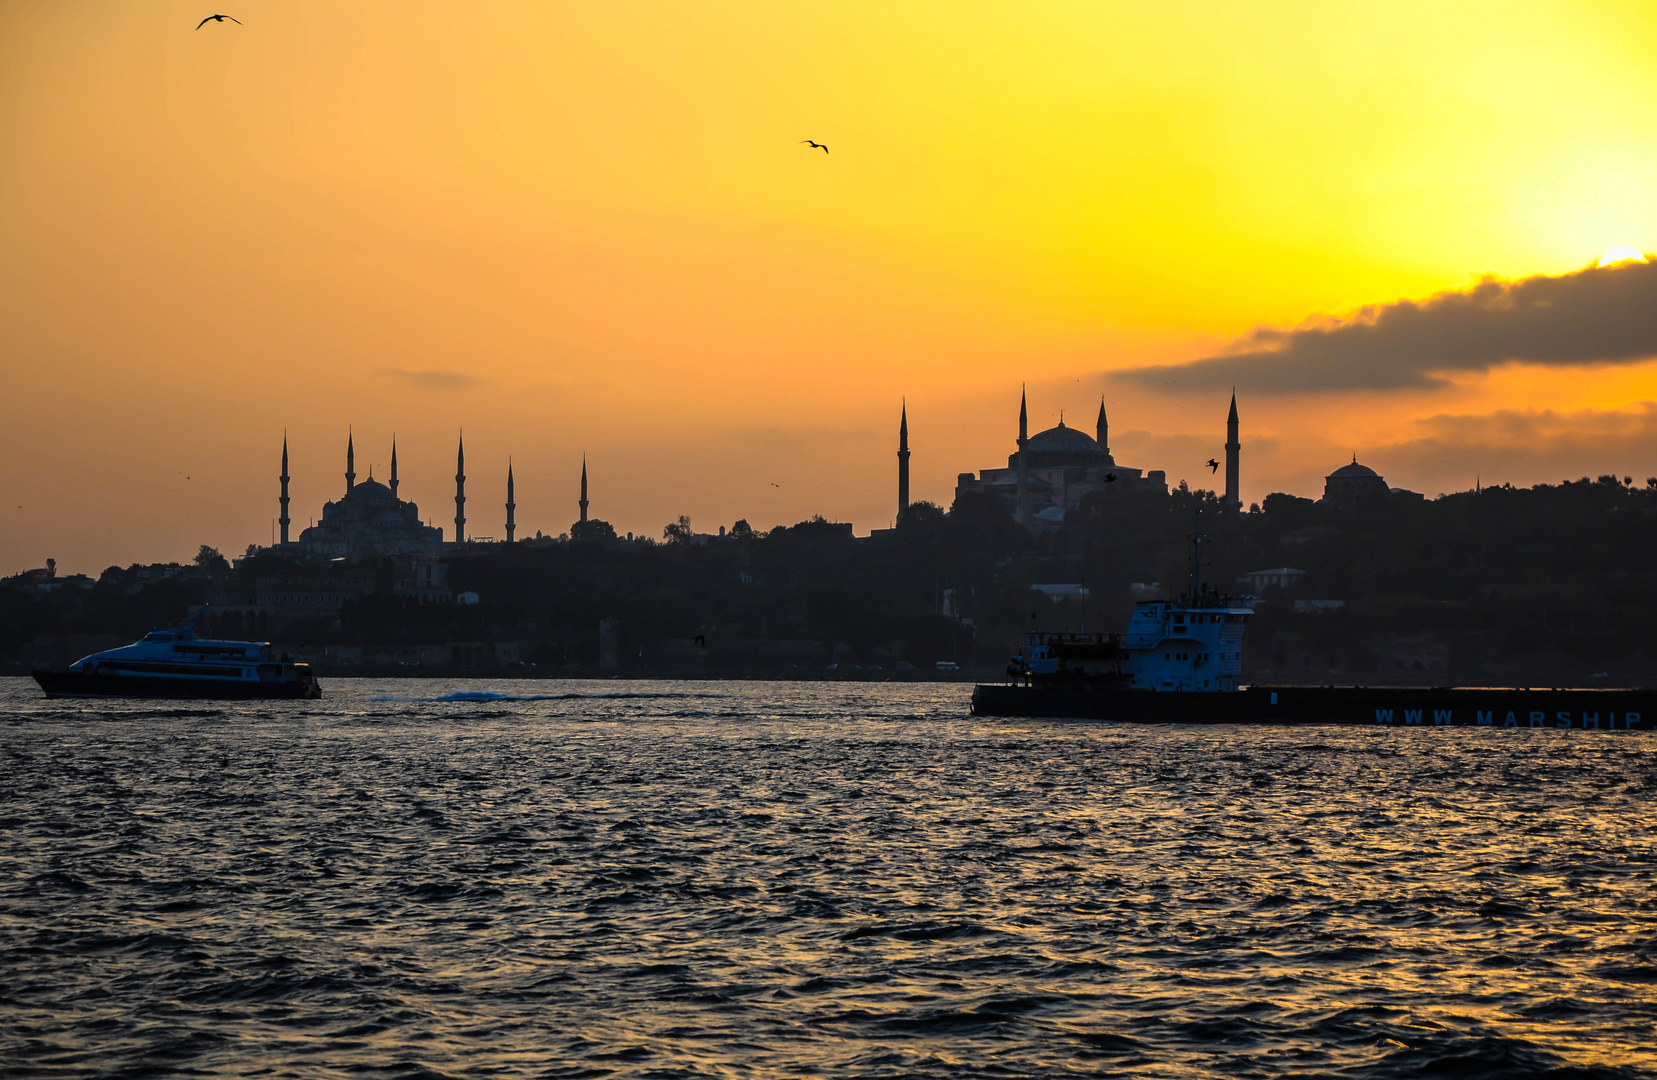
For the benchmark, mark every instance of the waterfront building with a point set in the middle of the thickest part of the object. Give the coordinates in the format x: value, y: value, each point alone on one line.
x: 1281, y: 577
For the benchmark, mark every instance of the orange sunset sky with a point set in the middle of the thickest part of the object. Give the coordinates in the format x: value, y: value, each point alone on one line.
x: 573, y: 227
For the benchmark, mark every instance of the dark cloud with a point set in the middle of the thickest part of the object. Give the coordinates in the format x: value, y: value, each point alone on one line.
x: 1592, y: 316
x: 431, y: 379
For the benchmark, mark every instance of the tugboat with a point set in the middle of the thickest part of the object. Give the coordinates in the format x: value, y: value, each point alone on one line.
x: 1181, y: 662
x: 176, y: 664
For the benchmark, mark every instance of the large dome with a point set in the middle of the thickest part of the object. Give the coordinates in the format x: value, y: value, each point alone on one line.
x: 1353, y: 471
x: 369, y: 489
x: 1063, y: 440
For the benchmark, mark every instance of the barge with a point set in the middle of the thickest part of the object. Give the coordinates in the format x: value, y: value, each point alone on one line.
x: 1181, y: 662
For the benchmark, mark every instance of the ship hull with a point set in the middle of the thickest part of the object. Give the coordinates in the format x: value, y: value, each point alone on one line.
x: 1389, y: 706
x: 75, y: 684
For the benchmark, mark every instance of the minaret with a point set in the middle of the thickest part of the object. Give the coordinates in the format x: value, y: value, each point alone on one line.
x: 1023, y: 464
x: 1233, y: 449
x: 903, y: 460
x: 283, y: 520
x: 511, y: 525
x: 583, y: 487
x: 1103, y: 429
x: 394, y: 468
x: 460, y: 492
x: 350, y: 462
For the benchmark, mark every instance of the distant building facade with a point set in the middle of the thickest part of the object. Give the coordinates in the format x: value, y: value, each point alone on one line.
x: 305, y: 592
x: 1282, y: 577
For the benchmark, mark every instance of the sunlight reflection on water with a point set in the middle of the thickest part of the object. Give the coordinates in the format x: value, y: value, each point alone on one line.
x: 664, y: 879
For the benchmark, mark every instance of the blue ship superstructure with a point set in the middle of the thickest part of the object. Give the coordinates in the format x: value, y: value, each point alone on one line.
x: 1188, y: 646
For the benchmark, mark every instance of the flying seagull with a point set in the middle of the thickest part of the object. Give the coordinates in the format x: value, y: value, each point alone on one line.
x: 218, y: 18
x: 804, y: 142
x: 1213, y: 466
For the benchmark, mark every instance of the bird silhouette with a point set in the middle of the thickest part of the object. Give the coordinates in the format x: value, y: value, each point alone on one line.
x: 804, y: 142
x: 218, y: 18
x: 775, y: 485
x: 1213, y: 466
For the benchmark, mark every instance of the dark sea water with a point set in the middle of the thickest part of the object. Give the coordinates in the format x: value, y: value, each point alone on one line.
x: 420, y: 879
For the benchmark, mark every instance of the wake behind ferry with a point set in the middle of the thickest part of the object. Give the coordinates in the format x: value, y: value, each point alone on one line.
x: 1182, y: 661
x: 176, y: 664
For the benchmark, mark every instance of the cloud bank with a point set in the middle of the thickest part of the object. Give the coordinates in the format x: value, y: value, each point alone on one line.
x: 431, y: 379
x: 1591, y: 316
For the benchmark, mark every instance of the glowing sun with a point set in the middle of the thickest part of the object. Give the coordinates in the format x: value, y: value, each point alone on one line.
x: 1620, y: 255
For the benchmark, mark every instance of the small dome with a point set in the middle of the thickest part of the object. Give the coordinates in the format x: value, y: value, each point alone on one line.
x: 1063, y: 440
x: 1353, y: 471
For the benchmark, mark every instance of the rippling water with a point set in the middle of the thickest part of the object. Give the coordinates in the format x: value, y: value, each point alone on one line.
x: 414, y: 878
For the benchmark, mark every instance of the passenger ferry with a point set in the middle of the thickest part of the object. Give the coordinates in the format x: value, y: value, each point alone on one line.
x: 177, y: 664
x: 1182, y: 661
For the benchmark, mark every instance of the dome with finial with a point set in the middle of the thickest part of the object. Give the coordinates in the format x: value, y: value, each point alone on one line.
x: 1353, y: 471
x: 369, y: 491
x: 1063, y: 440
